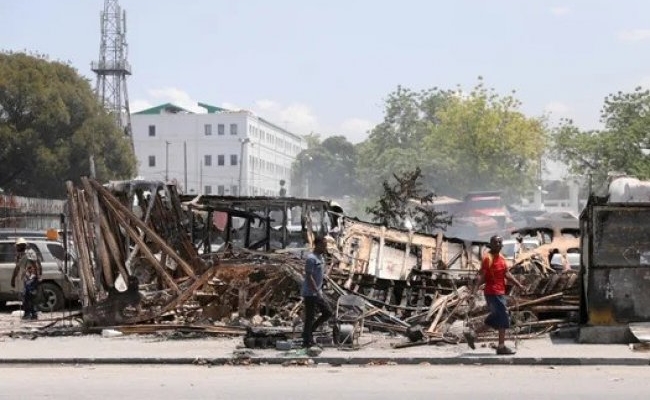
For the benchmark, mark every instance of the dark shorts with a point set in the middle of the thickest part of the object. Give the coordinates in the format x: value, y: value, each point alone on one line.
x: 498, y: 318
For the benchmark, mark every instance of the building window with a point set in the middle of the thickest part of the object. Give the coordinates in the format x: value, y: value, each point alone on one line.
x: 221, y: 190
x: 221, y: 159
x: 207, y: 189
x: 208, y: 160
x: 152, y: 161
x: 207, y: 128
x: 221, y: 129
x: 233, y: 129
x: 152, y: 130
x: 233, y: 190
x: 233, y: 159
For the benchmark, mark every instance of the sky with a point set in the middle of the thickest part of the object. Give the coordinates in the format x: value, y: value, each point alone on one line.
x: 325, y: 67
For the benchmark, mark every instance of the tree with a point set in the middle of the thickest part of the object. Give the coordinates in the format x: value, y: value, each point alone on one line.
x: 405, y: 204
x: 461, y: 141
x: 327, y: 168
x: 395, y: 144
x: 621, y: 146
x: 483, y: 142
x: 50, y: 123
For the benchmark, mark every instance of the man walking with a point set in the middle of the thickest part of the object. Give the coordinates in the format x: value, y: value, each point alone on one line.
x: 494, y: 273
x: 312, y: 291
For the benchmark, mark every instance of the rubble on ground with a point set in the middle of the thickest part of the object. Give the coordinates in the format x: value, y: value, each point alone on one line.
x: 151, y: 260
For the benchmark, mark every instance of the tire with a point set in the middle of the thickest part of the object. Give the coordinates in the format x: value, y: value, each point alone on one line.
x: 52, y: 297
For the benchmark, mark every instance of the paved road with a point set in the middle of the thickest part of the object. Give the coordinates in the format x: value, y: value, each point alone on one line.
x: 323, y: 382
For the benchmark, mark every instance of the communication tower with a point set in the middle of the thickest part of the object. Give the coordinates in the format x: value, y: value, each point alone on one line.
x: 113, y: 67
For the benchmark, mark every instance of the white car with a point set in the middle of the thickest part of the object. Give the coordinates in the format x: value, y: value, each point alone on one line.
x: 510, y: 247
x: 557, y: 262
x: 57, y: 287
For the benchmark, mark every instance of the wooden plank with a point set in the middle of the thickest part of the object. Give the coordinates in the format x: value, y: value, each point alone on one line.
x: 89, y: 244
x: 151, y: 234
x: 189, y: 292
x: 427, y: 258
x: 100, y: 247
x: 135, y: 236
x: 82, y: 257
x: 153, y: 328
x: 443, y: 307
x: 113, y: 246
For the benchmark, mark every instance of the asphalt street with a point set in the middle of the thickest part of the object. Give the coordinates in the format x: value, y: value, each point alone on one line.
x: 323, y: 382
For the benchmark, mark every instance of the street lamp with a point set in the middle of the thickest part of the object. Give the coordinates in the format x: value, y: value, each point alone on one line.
x: 167, y: 161
x: 310, y: 159
x: 241, y: 163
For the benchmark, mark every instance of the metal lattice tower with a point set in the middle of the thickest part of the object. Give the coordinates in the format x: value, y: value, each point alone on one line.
x: 113, y: 67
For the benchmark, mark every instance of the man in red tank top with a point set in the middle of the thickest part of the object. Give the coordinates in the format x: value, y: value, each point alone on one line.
x: 494, y: 273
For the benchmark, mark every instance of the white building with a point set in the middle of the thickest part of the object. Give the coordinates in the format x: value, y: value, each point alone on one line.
x: 202, y: 152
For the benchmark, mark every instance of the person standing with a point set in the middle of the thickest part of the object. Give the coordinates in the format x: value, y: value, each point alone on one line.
x: 24, y: 258
x: 312, y: 291
x: 494, y: 274
x: 29, y: 292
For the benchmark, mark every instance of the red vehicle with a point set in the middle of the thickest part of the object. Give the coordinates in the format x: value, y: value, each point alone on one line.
x: 488, y: 204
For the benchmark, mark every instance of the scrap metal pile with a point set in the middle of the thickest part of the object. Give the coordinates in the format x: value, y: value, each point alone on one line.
x: 150, y: 259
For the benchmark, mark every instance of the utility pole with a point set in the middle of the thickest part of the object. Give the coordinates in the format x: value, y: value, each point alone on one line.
x: 166, y: 161
x: 241, y: 164
x: 186, y: 190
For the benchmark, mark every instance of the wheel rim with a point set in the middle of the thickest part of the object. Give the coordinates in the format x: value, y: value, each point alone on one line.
x: 49, y: 299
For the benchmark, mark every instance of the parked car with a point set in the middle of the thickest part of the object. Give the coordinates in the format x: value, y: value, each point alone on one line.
x: 57, y: 287
x: 572, y: 257
x: 510, y: 247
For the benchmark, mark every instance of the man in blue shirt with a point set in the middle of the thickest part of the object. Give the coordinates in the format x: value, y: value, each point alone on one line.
x: 312, y: 291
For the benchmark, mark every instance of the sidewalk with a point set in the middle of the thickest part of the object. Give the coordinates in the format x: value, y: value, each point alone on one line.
x: 152, y: 349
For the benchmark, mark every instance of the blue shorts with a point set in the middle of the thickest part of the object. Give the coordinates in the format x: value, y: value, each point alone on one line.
x: 498, y: 318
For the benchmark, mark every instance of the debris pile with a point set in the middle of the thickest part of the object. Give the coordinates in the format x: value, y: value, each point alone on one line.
x: 147, y: 262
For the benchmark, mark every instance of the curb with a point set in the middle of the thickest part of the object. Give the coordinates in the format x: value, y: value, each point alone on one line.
x: 333, y: 361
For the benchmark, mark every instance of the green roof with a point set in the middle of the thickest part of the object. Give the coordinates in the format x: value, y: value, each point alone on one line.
x: 169, y: 107
x: 211, y: 109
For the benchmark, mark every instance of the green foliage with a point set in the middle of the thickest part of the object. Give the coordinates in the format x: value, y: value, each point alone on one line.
x: 405, y: 202
x: 461, y: 141
x: 327, y: 167
x: 50, y: 123
x: 618, y: 148
x: 486, y: 143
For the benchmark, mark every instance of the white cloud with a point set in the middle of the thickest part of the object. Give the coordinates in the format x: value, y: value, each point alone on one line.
x: 299, y: 116
x: 177, y: 97
x: 265, y: 104
x: 634, y: 35
x: 560, y: 11
x: 230, y: 106
x: 301, y: 119
x: 356, y: 129
x: 139, y: 105
x: 296, y: 117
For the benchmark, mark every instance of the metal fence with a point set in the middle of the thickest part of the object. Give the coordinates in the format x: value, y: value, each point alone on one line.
x: 29, y: 212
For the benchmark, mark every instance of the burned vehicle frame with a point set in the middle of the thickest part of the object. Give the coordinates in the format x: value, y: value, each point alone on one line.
x: 258, y: 223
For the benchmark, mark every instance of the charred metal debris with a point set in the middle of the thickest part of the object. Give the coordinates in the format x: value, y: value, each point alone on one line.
x: 152, y: 260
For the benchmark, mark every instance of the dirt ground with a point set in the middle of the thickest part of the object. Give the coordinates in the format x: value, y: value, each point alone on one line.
x: 11, y: 322
x: 12, y: 326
